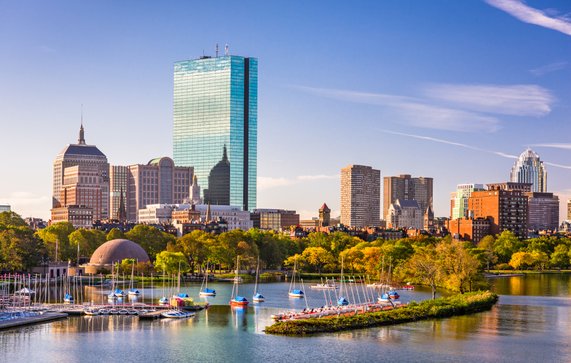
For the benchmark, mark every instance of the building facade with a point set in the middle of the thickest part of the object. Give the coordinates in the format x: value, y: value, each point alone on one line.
x: 528, y: 168
x: 505, y: 205
x: 469, y: 229
x: 360, y: 196
x: 569, y: 209
x: 119, y: 187
x: 157, y: 182
x: 274, y: 219
x: 324, y: 216
x: 80, y: 216
x: 459, y: 199
x: 405, y: 214
x: 405, y: 187
x: 88, y: 169
x: 5, y: 208
x: 543, y: 211
x: 215, y: 125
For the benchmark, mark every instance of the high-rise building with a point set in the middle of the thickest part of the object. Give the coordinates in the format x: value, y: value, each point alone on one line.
x: 459, y: 199
x: 118, y: 181
x: 543, y: 211
x: 215, y: 126
x: 157, y: 182
x: 360, y: 196
x: 91, y: 173
x: 405, y: 187
x: 505, y: 205
x: 528, y: 168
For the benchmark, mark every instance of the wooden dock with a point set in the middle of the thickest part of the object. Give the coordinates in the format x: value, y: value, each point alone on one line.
x: 31, y: 320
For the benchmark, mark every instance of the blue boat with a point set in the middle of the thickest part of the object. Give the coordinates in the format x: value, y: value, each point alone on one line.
x: 163, y: 301
x: 182, y: 295
x: 239, y: 301
x: 118, y: 293
x: 258, y: 297
x: 207, y: 292
x: 68, y: 299
x: 394, y: 295
x: 134, y: 292
x: 296, y: 293
x: 342, y: 301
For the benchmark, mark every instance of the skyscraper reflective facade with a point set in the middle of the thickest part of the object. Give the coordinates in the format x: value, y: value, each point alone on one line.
x: 216, y: 124
x: 530, y: 169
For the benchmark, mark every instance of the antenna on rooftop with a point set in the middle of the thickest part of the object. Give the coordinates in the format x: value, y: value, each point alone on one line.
x: 216, y: 50
x: 226, y: 49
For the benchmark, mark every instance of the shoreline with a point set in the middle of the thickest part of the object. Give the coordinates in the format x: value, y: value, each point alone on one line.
x: 461, y: 304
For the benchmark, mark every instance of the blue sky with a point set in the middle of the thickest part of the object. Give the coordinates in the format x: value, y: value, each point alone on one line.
x: 447, y: 89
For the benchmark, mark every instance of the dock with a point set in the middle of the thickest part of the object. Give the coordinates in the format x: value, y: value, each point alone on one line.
x: 31, y: 320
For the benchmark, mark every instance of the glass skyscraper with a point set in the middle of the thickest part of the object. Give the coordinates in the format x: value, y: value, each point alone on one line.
x: 216, y: 126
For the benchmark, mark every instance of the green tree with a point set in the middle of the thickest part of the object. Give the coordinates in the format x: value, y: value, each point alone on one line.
x: 150, y: 239
x: 560, y: 257
x: 459, y: 268
x: 487, y: 245
x: 20, y: 249
x: 171, y: 262
x: 11, y: 219
x: 506, y: 245
x: 115, y: 233
x: 195, y: 246
x: 88, y: 241
x: 424, y: 266
x: 521, y: 260
x: 55, y: 237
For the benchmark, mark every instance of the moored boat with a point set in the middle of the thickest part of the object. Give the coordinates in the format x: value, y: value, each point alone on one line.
x: 177, y: 314
x: 296, y: 293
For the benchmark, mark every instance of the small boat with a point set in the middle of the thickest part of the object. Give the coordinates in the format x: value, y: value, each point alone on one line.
x: 123, y: 312
x: 296, y: 293
x: 134, y: 292
x: 258, y: 297
x: 68, y: 299
x: 133, y: 312
x: 163, y: 301
x: 323, y: 286
x: 177, y: 314
x: 408, y: 287
x: 237, y: 300
x: 113, y: 311
x: 204, y: 290
x: 393, y: 295
x: 103, y: 312
x: 342, y: 301
x: 92, y: 312
x: 207, y: 292
x: 118, y: 293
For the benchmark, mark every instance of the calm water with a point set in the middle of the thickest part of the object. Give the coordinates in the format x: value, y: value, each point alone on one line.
x: 531, y: 323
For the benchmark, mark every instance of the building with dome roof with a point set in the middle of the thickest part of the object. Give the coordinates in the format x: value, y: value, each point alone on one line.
x: 528, y: 168
x: 80, y: 184
x: 115, y: 251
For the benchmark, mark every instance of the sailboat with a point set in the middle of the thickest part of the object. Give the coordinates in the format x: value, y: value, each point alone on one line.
x: 257, y: 296
x: 342, y: 301
x: 132, y: 290
x: 164, y: 300
x: 237, y: 300
x: 204, y: 290
x: 293, y: 292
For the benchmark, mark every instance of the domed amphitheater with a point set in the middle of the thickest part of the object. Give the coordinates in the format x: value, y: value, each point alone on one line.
x: 115, y: 251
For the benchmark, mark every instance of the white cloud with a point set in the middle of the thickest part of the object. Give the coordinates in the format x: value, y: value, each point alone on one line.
x: 548, y: 68
x: 517, y: 100
x: 265, y: 182
x: 466, y: 146
x: 530, y: 15
x: 554, y: 146
x: 414, y: 111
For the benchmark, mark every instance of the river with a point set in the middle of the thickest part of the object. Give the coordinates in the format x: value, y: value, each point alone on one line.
x: 531, y: 323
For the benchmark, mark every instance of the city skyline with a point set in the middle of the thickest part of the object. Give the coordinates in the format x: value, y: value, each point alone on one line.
x: 457, y: 90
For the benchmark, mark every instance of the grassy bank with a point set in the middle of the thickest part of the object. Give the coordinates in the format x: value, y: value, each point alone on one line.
x: 460, y: 304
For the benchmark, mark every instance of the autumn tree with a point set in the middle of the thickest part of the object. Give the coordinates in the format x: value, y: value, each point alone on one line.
x: 171, y: 262
x: 317, y: 257
x: 56, y: 237
x: 151, y: 239
x: 424, y: 266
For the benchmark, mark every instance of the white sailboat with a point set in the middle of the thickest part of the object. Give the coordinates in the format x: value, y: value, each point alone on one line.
x: 293, y: 291
x: 204, y: 290
x: 257, y: 296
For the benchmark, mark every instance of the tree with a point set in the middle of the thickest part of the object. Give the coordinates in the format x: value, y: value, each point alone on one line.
x: 560, y: 257
x: 171, y: 262
x: 88, y: 241
x: 150, y: 239
x: 318, y: 257
x: 425, y: 267
x: 458, y: 266
x: 195, y: 246
x: 487, y: 246
x: 371, y: 260
x: 20, y: 249
x: 506, y: 245
x: 11, y: 219
x: 55, y: 237
x: 351, y: 257
x: 521, y: 260
x: 115, y: 233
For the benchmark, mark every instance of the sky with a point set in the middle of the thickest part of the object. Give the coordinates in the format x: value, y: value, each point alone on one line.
x: 452, y: 90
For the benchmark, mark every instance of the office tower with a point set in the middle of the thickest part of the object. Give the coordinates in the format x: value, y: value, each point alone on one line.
x: 118, y: 181
x: 157, y: 182
x: 528, y: 168
x: 459, y: 199
x: 92, y: 173
x: 505, y: 205
x: 405, y: 187
x: 215, y: 126
x: 543, y: 211
x: 360, y: 196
